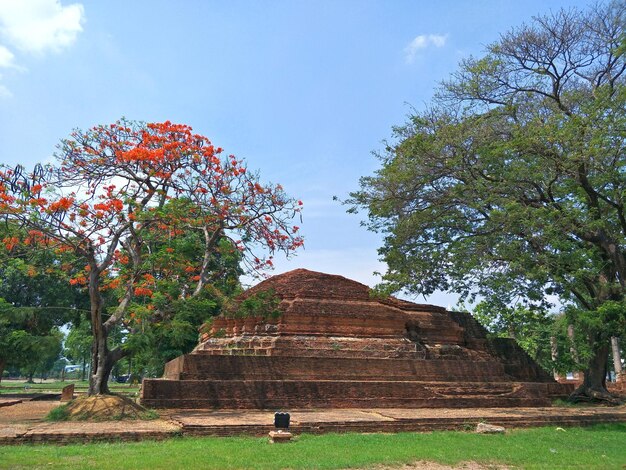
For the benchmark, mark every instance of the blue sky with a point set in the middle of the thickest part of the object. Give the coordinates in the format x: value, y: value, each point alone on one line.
x: 303, y: 90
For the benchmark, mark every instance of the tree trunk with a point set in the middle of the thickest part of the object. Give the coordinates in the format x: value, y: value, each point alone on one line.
x: 102, y: 363
x: 593, y: 387
x: 98, y: 378
x: 99, y: 351
x: 3, y: 363
x: 572, y: 349
x: 554, y: 352
x: 83, y: 370
x: 617, y: 358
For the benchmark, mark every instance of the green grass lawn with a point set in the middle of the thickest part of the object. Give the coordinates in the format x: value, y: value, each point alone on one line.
x: 14, y: 386
x: 601, y: 447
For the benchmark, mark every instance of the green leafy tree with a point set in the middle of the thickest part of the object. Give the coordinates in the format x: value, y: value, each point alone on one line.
x: 164, y: 325
x: 511, y: 186
x: 37, y: 298
x: 533, y: 329
x: 26, y: 343
x: 35, y: 275
x: 12, y: 320
x: 38, y: 353
x: 78, y: 345
x: 169, y: 333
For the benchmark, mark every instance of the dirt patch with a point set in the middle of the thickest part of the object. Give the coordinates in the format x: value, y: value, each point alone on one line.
x: 26, y: 412
x: 425, y: 465
x: 102, y: 408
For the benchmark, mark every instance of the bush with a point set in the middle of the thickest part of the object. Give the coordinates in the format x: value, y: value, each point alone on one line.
x: 60, y: 413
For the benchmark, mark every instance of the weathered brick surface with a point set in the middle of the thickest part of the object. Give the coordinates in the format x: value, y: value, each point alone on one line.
x: 267, y: 394
x: 75, y: 438
x: 617, y: 388
x: 211, y: 367
x: 244, y: 422
x: 337, y: 346
x: 517, y: 362
x: 397, y: 426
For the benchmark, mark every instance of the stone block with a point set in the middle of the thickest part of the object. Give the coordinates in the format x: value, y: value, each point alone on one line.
x: 484, y: 428
x: 67, y: 394
x: 279, y: 437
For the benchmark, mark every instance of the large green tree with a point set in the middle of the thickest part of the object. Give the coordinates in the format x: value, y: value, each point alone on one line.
x: 511, y: 186
x: 78, y: 345
x: 27, y: 341
x: 163, y: 320
x: 164, y: 325
x: 36, y: 299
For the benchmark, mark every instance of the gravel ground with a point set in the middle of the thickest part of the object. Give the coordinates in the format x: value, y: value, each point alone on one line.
x: 26, y: 412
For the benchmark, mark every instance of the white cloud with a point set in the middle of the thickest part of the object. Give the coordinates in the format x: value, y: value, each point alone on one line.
x: 38, y: 26
x: 422, y: 42
x: 7, y: 58
x: 5, y: 92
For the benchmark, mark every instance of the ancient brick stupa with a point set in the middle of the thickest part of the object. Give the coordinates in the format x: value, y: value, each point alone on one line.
x: 335, y: 345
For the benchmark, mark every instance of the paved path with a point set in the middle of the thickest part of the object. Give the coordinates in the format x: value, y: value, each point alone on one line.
x: 232, y: 422
x: 24, y: 422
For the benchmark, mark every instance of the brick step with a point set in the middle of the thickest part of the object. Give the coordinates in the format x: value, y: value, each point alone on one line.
x: 383, y: 402
x: 402, y: 425
x: 408, y: 351
x: 200, y: 366
x: 309, y: 341
x: 315, y: 364
x: 339, y: 394
x: 317, y: 343
x: 326, y: 353
x: 307, y: 375
x: 491, y: 389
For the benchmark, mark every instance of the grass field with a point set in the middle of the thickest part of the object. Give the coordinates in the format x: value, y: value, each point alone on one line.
x: 600, y: 447
x: 20, y: 386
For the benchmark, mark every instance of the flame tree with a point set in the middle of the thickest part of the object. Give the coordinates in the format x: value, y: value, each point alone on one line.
x: 106, y: 194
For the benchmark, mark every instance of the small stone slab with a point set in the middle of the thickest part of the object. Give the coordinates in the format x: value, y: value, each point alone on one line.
x: 484, y: 428
x: 280, y: 437
x: 67, y: 394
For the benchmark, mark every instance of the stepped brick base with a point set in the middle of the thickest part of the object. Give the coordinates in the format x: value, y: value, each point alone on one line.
x: 289, y: 394
x: 210, y: 367
x: 336, y: 346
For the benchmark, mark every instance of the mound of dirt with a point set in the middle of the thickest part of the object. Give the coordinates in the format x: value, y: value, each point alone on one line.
x: 106, y: 407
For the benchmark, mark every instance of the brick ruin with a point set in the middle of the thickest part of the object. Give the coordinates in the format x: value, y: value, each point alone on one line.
x: 336, y: 346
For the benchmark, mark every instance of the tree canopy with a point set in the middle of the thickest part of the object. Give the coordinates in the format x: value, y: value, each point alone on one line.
x: 511, y: 185
x: 36, y: 299
x: 27, y: 341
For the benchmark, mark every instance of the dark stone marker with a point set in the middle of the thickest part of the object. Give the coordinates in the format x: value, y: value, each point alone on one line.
x: 281, y: 420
